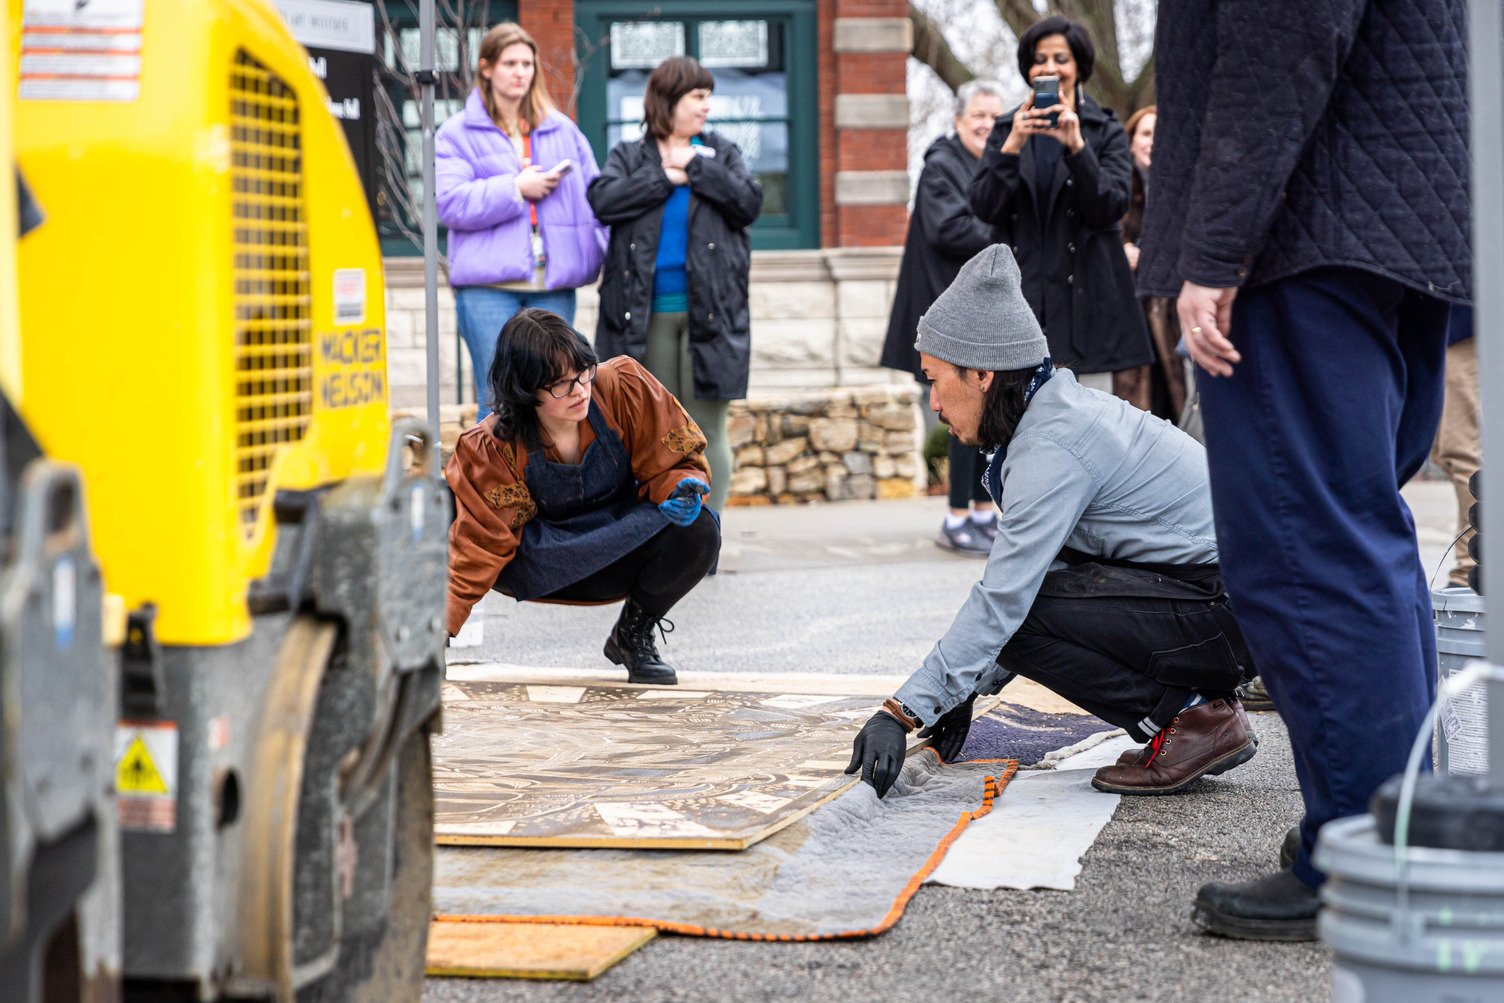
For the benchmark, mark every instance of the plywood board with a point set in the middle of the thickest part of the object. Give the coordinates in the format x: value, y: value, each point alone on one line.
x: 635, y: 767
x: 529, y: 950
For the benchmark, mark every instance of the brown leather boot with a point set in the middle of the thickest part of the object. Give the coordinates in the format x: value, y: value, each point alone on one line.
x: 1206, y: 740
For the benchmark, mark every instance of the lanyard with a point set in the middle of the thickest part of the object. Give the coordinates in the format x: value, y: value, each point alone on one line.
x: 527, y: 153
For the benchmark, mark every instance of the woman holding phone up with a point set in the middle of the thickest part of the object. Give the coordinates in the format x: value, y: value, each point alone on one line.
x: 1055, y: 179
x: 510, y: 180
x: 674, y: 293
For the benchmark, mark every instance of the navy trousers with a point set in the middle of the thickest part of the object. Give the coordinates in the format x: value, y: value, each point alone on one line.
x: 1333, y: 407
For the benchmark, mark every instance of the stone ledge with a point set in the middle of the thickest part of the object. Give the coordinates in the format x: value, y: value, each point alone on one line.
x: 872, y: 188
x: 872, y: 34
x: 872, y: 111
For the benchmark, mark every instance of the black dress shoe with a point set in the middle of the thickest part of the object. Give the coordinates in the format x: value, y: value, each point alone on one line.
x: 1290, y: 847
x: 631, y: 644
x: 1279, y: 907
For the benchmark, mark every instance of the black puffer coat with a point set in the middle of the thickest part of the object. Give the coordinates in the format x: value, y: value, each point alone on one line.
x: 1297, y: 134
x: 725, y: 199
x: 1075, y: 274
x: 943, y: 235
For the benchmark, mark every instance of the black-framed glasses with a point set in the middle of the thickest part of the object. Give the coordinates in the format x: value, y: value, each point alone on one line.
x: 564, y: 387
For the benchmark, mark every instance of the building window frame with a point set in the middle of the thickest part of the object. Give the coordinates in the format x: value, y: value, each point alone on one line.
x: 799, y: 226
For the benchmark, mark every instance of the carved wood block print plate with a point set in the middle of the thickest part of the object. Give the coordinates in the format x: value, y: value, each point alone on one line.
x: 627, y: 766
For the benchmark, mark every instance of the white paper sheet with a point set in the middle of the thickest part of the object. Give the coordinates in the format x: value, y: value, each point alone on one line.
x: 1038, y: 830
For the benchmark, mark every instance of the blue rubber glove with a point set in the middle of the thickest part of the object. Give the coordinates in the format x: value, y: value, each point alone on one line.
x: 682, y: 507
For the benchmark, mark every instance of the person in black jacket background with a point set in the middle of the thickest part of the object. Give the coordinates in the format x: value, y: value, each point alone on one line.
x: 1056, y: 195
x: 943, y: 235
x: 674, y: 288
x: 1318, y: 231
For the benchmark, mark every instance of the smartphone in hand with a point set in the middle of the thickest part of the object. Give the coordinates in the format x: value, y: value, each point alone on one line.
x: 1047, y: 95
x: 562, y: 168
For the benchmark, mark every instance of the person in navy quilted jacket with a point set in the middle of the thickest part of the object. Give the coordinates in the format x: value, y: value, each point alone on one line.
x: 1317, y: 238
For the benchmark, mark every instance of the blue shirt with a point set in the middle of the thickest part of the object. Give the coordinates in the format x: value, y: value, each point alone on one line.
x: 670, y: 284
x: 1087, y: 470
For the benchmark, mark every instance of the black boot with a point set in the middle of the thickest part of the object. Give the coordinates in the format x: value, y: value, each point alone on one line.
x: 631, y: 644
x: 1279, y: 907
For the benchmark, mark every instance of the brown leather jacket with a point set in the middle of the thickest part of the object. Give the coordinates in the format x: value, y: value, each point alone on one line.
x: 491, y: 498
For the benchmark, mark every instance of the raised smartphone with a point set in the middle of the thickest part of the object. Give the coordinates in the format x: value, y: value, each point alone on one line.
x: 1047, y: 95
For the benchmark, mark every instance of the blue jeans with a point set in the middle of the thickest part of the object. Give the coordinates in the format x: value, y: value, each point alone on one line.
x: 1333, y: 407
x: 483, y: 310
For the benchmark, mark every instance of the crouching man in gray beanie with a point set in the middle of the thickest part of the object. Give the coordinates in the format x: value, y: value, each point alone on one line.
x: 1102, y: 584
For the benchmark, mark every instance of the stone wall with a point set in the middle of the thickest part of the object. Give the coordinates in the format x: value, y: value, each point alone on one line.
x: 818, y: 320
x: 830, y: 445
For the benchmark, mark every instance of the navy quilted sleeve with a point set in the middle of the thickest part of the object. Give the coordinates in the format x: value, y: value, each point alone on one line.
x: 1277, y: 63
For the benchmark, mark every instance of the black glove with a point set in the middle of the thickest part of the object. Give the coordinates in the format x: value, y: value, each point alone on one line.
x: 949, y: 733
x: 878, y: 751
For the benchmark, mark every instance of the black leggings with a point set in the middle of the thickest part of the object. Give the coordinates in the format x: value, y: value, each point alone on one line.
x: 966, y: 466
x: 658, y: 573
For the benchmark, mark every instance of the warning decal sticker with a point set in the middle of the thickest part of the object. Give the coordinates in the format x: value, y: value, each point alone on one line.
x: 146, y: 775
x: 73, y: 51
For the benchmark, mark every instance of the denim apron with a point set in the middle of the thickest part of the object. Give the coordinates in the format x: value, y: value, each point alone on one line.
x: 588, y: 516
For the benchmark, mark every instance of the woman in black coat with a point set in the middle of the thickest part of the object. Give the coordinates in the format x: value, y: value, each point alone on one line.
x: 943, y: 234
x: 674, y: 289
x: 1056, y: 194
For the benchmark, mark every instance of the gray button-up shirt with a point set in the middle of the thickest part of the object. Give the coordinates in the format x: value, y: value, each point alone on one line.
x: 1086, y: 470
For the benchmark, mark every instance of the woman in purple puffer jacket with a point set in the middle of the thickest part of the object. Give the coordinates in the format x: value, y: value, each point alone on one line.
x: 510, y: 186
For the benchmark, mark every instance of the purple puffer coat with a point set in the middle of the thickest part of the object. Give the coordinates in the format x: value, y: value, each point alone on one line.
x: 490, y: 233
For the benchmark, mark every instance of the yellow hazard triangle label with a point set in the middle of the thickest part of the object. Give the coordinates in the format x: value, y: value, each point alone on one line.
x: 137, y: 772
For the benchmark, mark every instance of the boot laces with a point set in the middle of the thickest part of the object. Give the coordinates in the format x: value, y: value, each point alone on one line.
x: 641, y: 635
x: 1159, y: 741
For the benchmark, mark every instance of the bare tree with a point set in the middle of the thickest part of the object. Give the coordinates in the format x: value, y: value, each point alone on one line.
x: 398, y: 140
x: 1115, y: 82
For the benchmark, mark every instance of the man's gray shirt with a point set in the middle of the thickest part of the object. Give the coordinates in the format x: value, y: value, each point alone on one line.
x: 1084, y: 470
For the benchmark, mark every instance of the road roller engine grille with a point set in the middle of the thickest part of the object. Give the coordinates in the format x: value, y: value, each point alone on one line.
x: 273, y: 323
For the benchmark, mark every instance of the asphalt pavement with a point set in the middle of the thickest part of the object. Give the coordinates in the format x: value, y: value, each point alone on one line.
x: 859, y: 588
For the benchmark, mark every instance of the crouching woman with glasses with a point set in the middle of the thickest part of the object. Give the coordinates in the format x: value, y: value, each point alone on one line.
x: 585, y: 486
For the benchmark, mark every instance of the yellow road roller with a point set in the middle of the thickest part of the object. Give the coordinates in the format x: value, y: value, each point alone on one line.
x: 202, y: 336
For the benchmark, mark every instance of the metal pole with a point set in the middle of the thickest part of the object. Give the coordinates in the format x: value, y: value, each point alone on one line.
x: 1486, y: 84
x: 426, y: 80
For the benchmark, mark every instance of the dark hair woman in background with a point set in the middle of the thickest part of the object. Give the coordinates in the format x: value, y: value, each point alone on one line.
x: 584, y: 486
x: 1056, y: 193
x: 674, y: 291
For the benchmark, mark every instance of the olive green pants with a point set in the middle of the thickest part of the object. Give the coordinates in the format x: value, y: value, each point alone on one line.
x: 668, y: 359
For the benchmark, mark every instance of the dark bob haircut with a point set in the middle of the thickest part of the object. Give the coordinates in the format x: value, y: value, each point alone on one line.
x: 1076, y: 36
x: 535, y: 348
x: 673, y: 78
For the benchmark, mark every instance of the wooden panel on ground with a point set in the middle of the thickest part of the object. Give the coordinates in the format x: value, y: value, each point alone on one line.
x: 529, y: 950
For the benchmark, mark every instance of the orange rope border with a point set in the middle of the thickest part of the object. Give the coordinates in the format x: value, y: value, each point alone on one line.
x: 991, y: 788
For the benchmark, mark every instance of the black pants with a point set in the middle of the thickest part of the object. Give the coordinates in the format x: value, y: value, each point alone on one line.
x: 1132, y: 660
x: 657, y: 574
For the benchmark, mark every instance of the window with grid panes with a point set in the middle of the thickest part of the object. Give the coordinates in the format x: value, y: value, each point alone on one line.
x: 762, y: 57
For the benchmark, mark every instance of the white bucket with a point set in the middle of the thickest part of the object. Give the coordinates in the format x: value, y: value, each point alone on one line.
x: 1461, y: 744
x: 1439, y: 940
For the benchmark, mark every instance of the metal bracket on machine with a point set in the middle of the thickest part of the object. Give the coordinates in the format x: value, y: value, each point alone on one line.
x: 141, y: 684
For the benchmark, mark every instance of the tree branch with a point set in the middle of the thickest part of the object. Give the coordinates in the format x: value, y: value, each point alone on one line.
x: 1018, y: 15
x: 931, y: 49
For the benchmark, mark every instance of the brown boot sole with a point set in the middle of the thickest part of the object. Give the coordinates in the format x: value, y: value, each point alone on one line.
x: 1233, y: 759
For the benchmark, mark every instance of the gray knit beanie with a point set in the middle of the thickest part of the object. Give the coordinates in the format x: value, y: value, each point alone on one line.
x: 982, y: 321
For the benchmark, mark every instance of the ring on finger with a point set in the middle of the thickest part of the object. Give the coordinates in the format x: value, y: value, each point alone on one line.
x: 1195, y: 330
